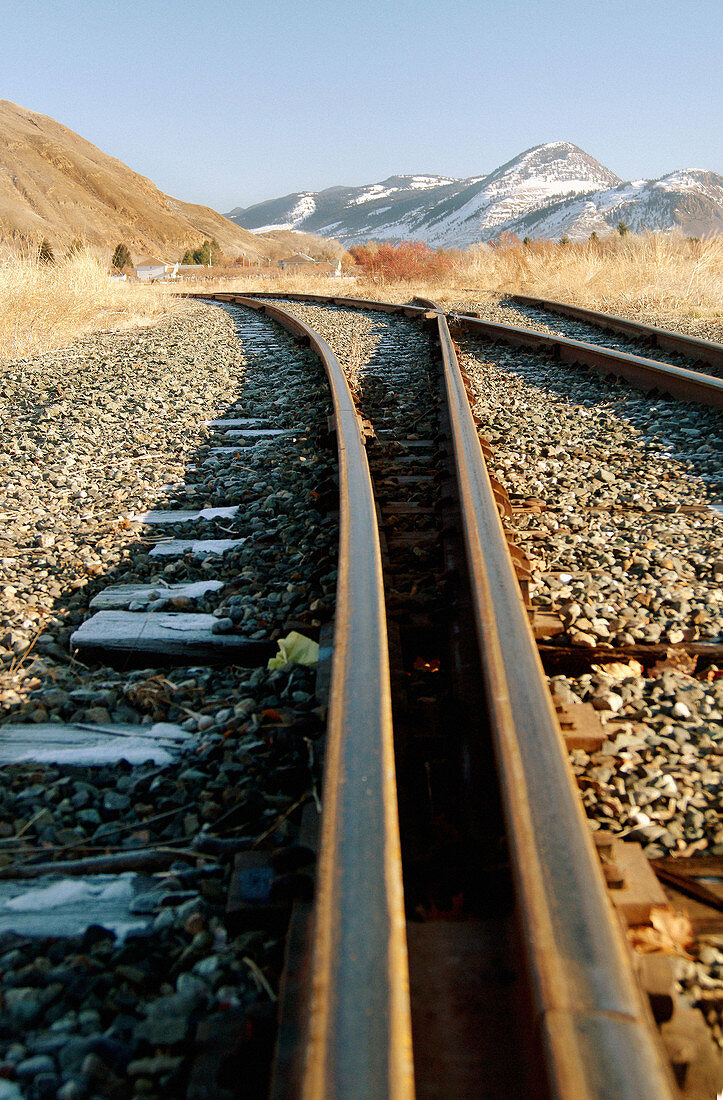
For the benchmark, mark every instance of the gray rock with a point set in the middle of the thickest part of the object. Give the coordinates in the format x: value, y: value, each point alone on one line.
x: 31, y: 1067
x: 24, y: 1005
x: 167, y: 1019
x: 10, y: 1090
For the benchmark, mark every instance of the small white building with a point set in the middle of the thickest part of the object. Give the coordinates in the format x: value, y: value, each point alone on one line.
x: 153, y: 271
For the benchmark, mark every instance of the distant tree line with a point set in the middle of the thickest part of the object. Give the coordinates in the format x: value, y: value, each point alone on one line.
x: 209, y: 253
x: 510, y: 240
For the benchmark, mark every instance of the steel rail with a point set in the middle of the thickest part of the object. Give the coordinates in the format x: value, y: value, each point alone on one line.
x: 594, y: 1029
x: 597, y: 1037
x: 644, y: 374
x: 359, y: 1041
x: 406, y: 308
x: 707, y: 351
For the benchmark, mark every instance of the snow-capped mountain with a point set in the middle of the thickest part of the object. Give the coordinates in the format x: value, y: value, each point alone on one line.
x: 548, y: 191
x: 350, y: 212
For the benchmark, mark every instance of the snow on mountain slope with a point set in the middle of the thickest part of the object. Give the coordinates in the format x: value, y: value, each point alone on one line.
x: 690, y: 201
x: 537, y: 178
x: 547, y: 191
x: 302, y: 209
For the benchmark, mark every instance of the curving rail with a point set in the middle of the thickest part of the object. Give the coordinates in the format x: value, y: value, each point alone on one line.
x: 706, y: 351
x: 359, y: 1030
x: 589, y: 1012
x: 645, y: 374
x: 408, y: 309
x: 593, y: 1026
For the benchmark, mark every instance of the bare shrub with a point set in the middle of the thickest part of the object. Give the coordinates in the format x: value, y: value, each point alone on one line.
x: 407, y: 261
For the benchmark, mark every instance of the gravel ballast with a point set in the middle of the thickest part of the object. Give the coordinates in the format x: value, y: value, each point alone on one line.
x: 625, y: 541
x: 98, y: 434
x: 614, y: 555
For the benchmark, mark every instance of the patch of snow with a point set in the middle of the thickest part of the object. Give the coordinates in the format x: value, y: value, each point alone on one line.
x: 423, y: 183
x: 91, y: 746
x: 261, y: 229
x: 192, y: 589
x: 184, y: 516
x: 238, y: 422
x: 373, y: 193
x: 304, y: 208
x: 141, y: 630
x: 67, y: 906
x: 260, y: 433
x: 199, y: 547
x: 70, y: 890
x: 118, y: 596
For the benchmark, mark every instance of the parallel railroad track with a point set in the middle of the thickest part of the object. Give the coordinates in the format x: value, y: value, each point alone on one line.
x: 424, y: 558
x: 561, y: 1062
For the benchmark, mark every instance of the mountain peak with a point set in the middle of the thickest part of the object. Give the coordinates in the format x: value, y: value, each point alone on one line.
x: 558, y: 161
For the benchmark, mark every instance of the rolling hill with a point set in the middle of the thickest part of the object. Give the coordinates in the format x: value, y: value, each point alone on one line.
x: 55, y: 184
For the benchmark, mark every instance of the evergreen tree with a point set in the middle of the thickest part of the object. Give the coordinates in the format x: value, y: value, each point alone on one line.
x: 121, y: 257
x: 623, y: 228
x: 45, y: 255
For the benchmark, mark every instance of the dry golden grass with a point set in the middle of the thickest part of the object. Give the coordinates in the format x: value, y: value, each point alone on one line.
x: 47, y: 306
x: 668, y: 280
x: 638, y: 275
x: 286, y: 282
x: 650, y: 275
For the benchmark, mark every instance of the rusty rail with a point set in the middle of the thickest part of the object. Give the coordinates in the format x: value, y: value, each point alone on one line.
x: 592, y: 1024
x: 594, y: 1030
x: 644, y: 374
x: 705, y: 351
x: 359, y: 1031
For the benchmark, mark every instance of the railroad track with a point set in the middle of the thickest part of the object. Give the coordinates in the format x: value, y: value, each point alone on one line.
x: 422, y: 1041
x: 461, y: 672
x: 593, y: 326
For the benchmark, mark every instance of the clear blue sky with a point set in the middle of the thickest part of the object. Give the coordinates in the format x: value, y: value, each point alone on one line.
x: 229, y: 103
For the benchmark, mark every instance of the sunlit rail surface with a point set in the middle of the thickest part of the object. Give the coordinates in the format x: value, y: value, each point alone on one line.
x: 593, y: 1032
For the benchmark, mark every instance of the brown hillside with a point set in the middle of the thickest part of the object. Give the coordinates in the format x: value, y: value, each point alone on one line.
x: 55, y: 184
x: 319, y: 248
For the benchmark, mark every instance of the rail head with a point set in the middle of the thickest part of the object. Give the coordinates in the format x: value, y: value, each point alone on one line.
x: 590, y: 1014
x: 359, y: 1029
x: 705, y: 351
x: 644, y: 374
